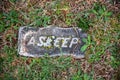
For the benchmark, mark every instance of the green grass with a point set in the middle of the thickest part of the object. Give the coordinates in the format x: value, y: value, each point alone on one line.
x: 102, y: 45
x: 45, y: 68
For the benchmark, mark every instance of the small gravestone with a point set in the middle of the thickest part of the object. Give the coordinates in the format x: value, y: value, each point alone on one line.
x: 54, y: 41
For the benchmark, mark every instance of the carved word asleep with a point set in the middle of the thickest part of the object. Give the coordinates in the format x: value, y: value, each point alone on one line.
x: 45, y: 41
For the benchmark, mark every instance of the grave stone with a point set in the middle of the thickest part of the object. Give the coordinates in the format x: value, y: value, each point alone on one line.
x: 54, y: 41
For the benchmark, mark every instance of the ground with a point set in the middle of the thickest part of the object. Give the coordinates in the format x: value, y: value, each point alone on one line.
x: 100, y: 19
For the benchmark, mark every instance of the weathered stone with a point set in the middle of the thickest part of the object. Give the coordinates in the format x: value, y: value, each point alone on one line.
x: 54, y: 41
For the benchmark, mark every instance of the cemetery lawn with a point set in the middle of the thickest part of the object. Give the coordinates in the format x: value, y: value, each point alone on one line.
x: 99, y: 19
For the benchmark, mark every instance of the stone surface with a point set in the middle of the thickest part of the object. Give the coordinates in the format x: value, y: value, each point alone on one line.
x: 54, y: 41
